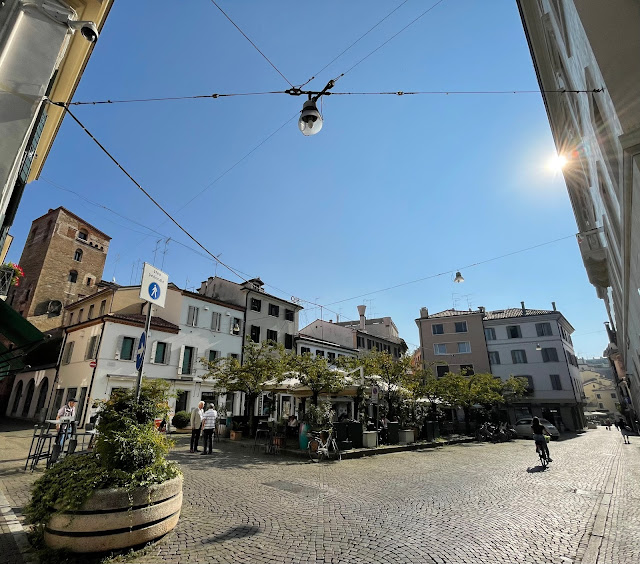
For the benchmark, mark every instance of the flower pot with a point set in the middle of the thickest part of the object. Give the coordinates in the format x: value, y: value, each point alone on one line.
x: 405, y: 436
x: 116, y: 518
x: 236, y: 435
x: 222, y: 431
x: 304, y: 439
x: 369, y: 439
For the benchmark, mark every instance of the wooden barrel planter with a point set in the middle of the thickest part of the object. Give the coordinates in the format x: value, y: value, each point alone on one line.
x: 116, y: 518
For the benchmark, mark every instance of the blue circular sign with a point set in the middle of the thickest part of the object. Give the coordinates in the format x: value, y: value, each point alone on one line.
x: 154, y: 290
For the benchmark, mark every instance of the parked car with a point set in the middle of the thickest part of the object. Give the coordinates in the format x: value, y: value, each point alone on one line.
x: 523, y: 428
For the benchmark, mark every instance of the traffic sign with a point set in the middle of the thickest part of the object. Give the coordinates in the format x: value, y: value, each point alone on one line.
x: 374, y: 393
x: 153, y: 287
x: 142, y: 345
x: 93, y: 364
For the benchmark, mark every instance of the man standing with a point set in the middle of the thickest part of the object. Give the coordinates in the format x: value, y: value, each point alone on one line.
x: 196, y: 422
x: 66, y: 416
x: 208, y: 425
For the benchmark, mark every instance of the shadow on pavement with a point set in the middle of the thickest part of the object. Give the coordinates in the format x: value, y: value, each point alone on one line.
x: 233, y: 533
x: 535, y: 469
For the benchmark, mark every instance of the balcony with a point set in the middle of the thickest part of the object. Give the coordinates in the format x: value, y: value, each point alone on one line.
x: 594, y: 257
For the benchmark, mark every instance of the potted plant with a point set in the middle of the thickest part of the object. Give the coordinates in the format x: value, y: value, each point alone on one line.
x: 181, y: 420
x: 122, y: 494
x: 236, y: 433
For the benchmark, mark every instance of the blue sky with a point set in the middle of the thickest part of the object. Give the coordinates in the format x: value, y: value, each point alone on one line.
x: 393, y: 189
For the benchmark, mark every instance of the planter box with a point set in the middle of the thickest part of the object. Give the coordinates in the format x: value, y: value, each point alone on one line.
x: 406, y: 436
x: 369, y: 439
x: 222, y: 431
x: 116, y: 518
x: 236, y: 435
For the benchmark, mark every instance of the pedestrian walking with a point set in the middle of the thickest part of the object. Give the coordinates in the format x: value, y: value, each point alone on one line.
x: 208, y: 425
x: 617, y: 424
x: 196, y: 423
x: 607, y: 424
x: 625, y: 430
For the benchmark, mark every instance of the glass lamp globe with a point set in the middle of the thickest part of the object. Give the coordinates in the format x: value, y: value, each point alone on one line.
x: 310, y: 121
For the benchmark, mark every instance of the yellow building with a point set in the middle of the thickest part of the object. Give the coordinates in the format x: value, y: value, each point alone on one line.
x: 601, y: 394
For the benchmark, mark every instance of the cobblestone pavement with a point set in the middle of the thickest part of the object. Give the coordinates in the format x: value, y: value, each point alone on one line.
x: 471, y: 503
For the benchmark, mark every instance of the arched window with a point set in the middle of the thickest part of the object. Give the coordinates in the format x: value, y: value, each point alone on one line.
x: 77, y: 256
x: 16, y: 399
x: 82, y: 234
x: 42, y: 395
x: 73, y: 276
x: 31, y: 386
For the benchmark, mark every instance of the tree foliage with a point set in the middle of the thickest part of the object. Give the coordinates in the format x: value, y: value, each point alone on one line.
x: 316, y: 373
x: 390, y: 371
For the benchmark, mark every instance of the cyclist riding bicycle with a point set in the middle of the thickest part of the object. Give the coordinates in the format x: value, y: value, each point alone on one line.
x: 538, y: 436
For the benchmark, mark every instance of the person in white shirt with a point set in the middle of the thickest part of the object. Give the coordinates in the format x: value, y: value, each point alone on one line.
x: 208, y: 425
x: 196, y: 423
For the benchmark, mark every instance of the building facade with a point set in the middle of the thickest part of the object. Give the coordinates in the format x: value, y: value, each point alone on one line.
x: 536, y: 345
x: 453, y: 341
x: 590, y: 46
x: 266, y: 317
x: 40, y: 56
x: 63, y: 260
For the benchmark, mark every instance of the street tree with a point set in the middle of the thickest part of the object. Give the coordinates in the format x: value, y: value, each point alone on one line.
x: 421, y: 384
x: 317, y: 374
x: 262, y: 363
x: 390, y: 371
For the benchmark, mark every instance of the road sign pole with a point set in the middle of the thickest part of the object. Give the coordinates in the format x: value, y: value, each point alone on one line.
x: 147, y: 324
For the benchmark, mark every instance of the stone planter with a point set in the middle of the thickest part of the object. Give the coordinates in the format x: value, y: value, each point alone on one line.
x: 406, y: 436
x: 222, y: 431
x: 369, y: 439
x: 236, y: 435
x: 116, y: 518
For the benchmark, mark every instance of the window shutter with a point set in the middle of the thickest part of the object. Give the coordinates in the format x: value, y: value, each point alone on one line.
x: 134, y: 349
x: 195, y: 361
x: 87, y: 353
x: 195, y: 317
x: 167, y: 354
x: 153, y: 352
x: 118, y: 350
x: 181, y: 359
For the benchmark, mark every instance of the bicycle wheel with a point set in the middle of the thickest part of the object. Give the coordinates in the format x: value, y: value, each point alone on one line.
x: 314, y: 450
x: 336, y: 454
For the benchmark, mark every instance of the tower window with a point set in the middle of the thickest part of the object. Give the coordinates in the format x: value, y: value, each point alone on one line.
x: 77, y: 256
x: 83, y: 235
x: 73, y: 276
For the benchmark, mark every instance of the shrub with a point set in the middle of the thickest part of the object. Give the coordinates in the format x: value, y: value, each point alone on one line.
x: 129, y: 453
x: 181, y: 419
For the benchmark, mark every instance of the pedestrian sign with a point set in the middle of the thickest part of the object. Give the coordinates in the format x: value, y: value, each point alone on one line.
x: 142, y: 345
x: 153, y: 287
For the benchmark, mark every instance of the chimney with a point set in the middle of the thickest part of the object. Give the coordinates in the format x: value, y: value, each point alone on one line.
x: 553, y: 305
x: 361, y: 310
x: 524, y: 309
x: 424, y: 312
x: 482, y: 309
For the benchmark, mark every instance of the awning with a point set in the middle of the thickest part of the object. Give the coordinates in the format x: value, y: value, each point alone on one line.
x: 18, y: 331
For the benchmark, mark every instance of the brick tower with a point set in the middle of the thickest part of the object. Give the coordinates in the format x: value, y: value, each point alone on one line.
x: 63, y: 259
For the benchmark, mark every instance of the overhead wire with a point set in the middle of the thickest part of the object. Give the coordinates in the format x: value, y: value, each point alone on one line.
x: 354, y: 43
x: 147, y: 194
x: 452, y: 271
x: 391, y: 38
x: 331, y: 93
x: 252, y: 43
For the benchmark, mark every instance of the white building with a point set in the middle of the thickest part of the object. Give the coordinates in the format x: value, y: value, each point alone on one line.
x: 593, y: 46
x: 266, y: 317
x: 363, y: 335
x: 319, y: 347
x: 108, y: 326
x: 536, y: 345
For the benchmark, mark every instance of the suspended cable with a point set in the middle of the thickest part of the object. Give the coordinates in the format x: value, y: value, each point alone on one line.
x: 147, y: 194
x: 299, y: 92
x: 391, y: 38
x: 452, y: 271
x: 354, y: 43
x: 252, y: 43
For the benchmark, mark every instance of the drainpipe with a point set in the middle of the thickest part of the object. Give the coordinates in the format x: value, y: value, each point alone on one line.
x: 93, y: 377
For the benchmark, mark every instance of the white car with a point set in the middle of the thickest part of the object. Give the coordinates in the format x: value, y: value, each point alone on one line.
x: 523, y: 428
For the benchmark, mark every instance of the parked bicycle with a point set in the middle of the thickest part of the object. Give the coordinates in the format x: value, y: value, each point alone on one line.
x: 323, y: 445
